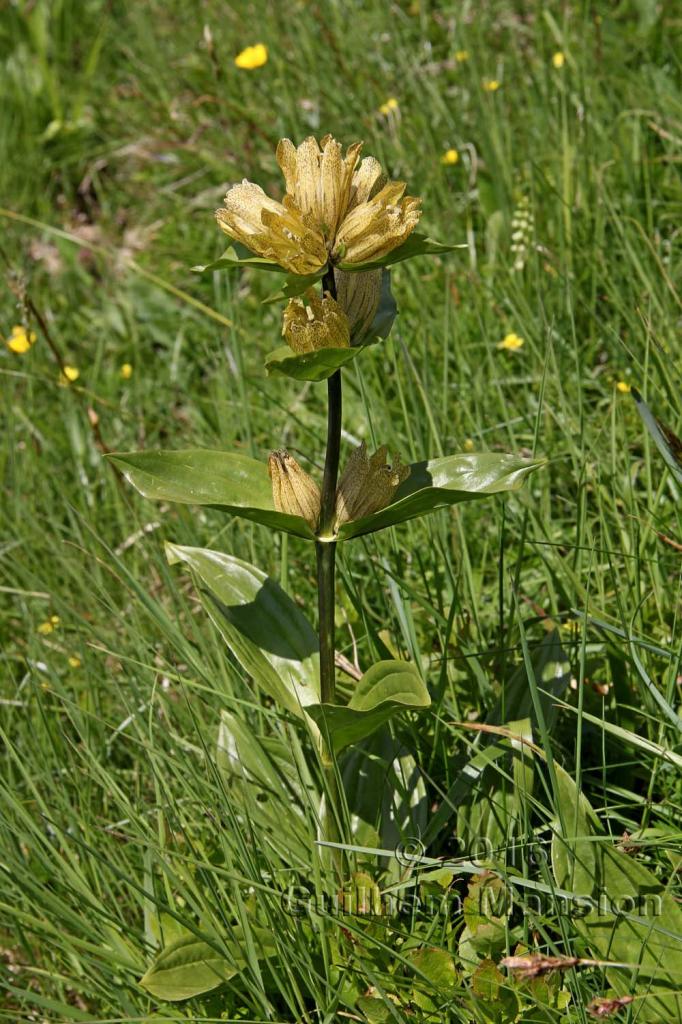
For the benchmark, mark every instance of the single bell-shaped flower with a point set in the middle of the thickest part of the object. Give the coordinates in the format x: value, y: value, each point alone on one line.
x: 367, y: 484
x: 312, y: 322
x: 358, y: 295
x: 335, y: 208
x: 293, y: 490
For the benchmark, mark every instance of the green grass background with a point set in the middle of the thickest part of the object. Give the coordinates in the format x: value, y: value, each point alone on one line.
x: 122, y: 125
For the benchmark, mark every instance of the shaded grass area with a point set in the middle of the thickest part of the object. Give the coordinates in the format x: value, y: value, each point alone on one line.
x: 122, y: 126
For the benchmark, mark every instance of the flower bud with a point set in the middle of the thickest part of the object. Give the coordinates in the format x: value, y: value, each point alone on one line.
x: 293, y: 490
x: 315, y: 321
x: 367, y: 484
x: 358, y: 295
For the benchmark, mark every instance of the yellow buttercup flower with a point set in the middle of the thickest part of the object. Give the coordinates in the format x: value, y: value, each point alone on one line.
x: 511, y: 342
x: 126, y: 371
x: 389, y: 106
x: 49, y: 625
x: 69, y: 375
x: 624, y: 387
x: 469, y: 444
x: 20, y: 340
x: 450, y: 156
x: 491, y: 84
x: 335, y: 206
x: 252, y: 57
x: 74, y: 662
x: 558, y: 59
x: 313, y: 321
x: 461, y: 56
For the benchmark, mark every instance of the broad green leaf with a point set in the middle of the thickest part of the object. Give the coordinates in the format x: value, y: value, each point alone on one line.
x: 313, y: 366
x: 190, y: 966
x: 632, y: 918
x: 375, y: 1010
x: 265, y: 630
x: 443, y: 482
x: 416, y: 245
x: 237, y: 255
x: 551, y: 669
x: 240, y: 485
x: 435, y: 977
x: 386, y: 796
x: 294, y: 284
x: 386, y: 688
x: 668, y: 444
x: 222, y: 480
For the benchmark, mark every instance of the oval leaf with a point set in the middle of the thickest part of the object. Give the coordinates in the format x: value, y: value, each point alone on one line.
x: 237, y: 255
x: 294, y: 284
x: 223, y: 480
x: 416, y: 245
x: 386, y: 688
x: 314, y: 366
x: 442, y: 482
x: 267, y: 633
x: 187, y: 968
x: 190, y: 966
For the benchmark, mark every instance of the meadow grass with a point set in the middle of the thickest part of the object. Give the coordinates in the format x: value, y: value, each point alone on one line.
x: 122, y: 126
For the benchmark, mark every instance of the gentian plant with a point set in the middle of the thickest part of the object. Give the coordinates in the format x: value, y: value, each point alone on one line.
x: 338, y: 230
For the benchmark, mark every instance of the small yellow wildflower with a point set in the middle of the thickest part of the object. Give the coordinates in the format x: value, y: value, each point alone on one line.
x: 20, y: 340
x: 491, y: 84
x: 558, y: 60
x: 252, y: 57
x: 49, y: 625
x: 469, y: 444
x: 127, y: 371
x: 74, y: 662
x: 511, y: 342
x: 389, y: 106
x: 624, y: 387
x: 450, y: 156
x: 461, y: 56
x: 69, y: 375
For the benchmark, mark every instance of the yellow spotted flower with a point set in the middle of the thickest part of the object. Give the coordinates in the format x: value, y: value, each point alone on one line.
x: 335, y: 207
x: 450, y: 156
x: 313, y: 321
x: 127, y: 371
x: 461, y: 56
x: 252, y: 57
x: 293, y: 490
x: 74, y: 662
x: 367, y: 484
x: 511, y: 342
x: 558, y: 59
x: 624, y: 387
x: 491, y: 84
x: 20, y: 340
x: 359, y: 295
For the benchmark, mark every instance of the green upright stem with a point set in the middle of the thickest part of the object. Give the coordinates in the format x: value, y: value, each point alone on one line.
x: 325, y: 550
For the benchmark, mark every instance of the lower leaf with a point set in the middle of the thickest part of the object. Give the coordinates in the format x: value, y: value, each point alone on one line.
x: 385, y: 689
